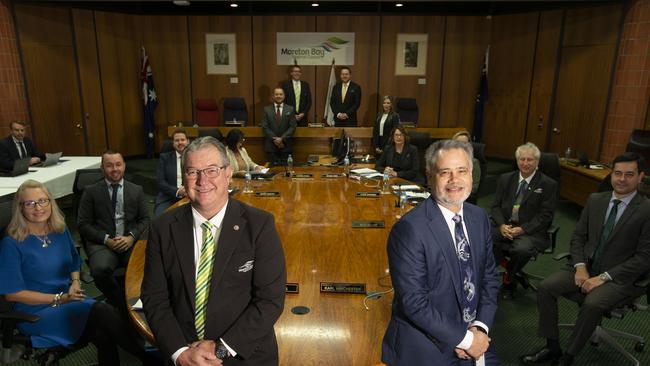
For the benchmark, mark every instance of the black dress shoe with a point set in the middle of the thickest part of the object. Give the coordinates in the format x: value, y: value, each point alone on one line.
x: 508, y: 291
x: 522, y: 279
x: 543, y: 355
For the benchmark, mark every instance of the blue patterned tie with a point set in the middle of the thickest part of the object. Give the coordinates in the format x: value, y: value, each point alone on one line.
x: 470, y: 300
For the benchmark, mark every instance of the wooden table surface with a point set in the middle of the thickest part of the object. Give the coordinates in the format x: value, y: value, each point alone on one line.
x: 577, y: 182
x: 313, y: 217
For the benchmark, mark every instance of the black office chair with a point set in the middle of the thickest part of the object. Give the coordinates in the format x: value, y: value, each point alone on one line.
x: 211, y: 131
x: 234, y: 109
x: 14, y: 344
x: 479, y: 154
x: 5, y: 215
x: 421, y: 140
x: 407, y: 108
x: 167, y: 146
x: 82, y: 179
x: 606, y: 335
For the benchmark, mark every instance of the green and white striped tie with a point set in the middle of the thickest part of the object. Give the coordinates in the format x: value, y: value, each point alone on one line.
x: 204, y: 275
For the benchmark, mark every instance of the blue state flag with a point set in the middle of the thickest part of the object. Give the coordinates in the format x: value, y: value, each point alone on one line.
x: 481, y: 98
x: 150, y: 101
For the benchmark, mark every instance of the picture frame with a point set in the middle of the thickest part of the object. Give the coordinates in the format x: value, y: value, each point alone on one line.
x: 221, y: 53
x: 411, y: 54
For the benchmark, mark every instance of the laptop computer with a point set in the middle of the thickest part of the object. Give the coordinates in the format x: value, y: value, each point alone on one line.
x: 21, y: 166
x: 50, y: 159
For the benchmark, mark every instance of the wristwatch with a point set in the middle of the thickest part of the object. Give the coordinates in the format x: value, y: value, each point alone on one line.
x: 222, y: 352
x: 603, y: 277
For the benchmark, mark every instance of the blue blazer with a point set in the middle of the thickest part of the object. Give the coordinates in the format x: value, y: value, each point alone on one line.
x: 426, y: 323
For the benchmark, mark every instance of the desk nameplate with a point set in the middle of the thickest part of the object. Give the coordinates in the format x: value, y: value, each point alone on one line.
x: 267, y: 194
x: 303, y: 175
x: 368, y: 194
x: 332, y: 175
x: 292, y: 288
x: 343, y: 288
x: 368, y: 224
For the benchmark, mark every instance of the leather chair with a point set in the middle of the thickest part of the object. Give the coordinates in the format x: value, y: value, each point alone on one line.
x: 211, y: 131
x: 606, y: 335
x: 421, y: 140
x: 479, y: 154
x: 207, y: 112
x: 407, y: 108
x: 5, y: 214
x: 234, y: 109
x: 167, y: 146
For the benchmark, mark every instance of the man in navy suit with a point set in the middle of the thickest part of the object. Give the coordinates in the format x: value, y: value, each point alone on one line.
x: 443, y: 271
x: 345, y: 100
x: 278, y: 125
x: 298, y: 95
x: 169, y: 175
x: 17, y: 146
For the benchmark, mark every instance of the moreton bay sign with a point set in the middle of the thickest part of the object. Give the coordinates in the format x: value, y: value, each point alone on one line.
x: 314, y: 48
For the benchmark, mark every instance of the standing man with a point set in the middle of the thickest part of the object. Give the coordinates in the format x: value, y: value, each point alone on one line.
x: 443, y: 272
x: 610, y: 250
x: 112, y: 217
x: 522, y: 212
x: 17, y: 146
x: 278, y: 124
x: 215, y: 273
x: 345, y: 100
x: 298, y: 95
x: 169, y: 175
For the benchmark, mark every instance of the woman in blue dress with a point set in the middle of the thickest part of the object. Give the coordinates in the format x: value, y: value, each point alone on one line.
x: 39, y: 267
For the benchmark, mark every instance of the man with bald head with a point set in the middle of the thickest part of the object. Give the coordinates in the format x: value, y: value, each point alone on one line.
x: 215, y: 273
x: 278, y: 125
x: 443, y: 272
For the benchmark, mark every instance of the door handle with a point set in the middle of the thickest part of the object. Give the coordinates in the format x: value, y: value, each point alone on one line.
x: 556, y: 130
x: 79, y: 126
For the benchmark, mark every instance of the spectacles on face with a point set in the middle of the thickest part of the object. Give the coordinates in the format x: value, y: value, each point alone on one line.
x: 209, y: 172
x: 31, y: 204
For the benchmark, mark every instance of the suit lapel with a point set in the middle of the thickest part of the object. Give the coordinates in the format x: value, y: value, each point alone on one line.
x: 532, y: 186
x: 231, y: 229
x: 629, y: 211
x: 511, y: 189
x: 442, y: 238
x: 183, y: 241
x: 476, y: 249
x: 600, y: 210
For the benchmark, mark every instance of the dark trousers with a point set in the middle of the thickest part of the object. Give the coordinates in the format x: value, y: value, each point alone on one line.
x: 106, y: 330
x: 277, y: 157
x: 103, y: 262
x: 592, y: 306
x: 519, y: 251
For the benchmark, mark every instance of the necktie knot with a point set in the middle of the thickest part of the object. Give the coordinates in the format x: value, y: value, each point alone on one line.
x: 616, y: 202
x: 457, y: 219
x: 207, y: 225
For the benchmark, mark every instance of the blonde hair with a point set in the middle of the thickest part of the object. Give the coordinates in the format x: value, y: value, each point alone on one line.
x: 17, y: 228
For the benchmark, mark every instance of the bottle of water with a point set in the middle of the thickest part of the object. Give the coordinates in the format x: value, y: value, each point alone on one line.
x: 248, y: 186
x: 567, y: 153
x: 384, y: 184
x: 290, y: 165
x: 346, y: 166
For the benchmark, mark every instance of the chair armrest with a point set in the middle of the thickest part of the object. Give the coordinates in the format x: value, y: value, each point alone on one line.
x: 644, y: 282
x: 20, y: 316
x: 552, y: 237
x: 565, y: 255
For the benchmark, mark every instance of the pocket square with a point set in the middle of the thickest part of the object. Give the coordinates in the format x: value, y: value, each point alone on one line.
x: 246, y: 266
x: 538, y: 190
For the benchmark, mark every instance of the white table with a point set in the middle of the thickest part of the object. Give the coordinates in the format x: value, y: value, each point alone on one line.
x: 57, y: 178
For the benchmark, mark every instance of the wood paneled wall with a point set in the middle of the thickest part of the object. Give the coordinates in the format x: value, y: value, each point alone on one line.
x: 548, y: 70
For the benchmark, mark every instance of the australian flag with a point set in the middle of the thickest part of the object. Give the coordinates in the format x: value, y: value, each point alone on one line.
x: 150, y: 101
x: 481, y: 98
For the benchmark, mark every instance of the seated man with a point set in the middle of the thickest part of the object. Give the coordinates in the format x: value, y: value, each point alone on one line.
x: 610, y: 248
x: 112, y: 217
x: 522, y: 212
x: 17, y: 146
x: 169, y: 176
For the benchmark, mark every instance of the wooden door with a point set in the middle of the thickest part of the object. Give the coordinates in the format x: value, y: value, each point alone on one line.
x: 50, y: 68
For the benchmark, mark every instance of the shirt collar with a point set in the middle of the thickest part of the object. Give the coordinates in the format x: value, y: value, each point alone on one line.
x: 278, y: 105
x: 216, y: 220
x: 626, y: 199
x: 449, y: 214
x: 16, y: 141
x: 178, y: 156
x: 528, y: 180
x: 108, y: 183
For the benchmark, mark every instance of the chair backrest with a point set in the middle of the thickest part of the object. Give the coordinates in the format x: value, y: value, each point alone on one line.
x: 5, y: 214
x: 234, y: 109
x: 167, y: 146
x: 207, y: 112
x: 479, y: 154
x: 549, y: 164
x: 212, y: 131
x: 82, y: 179
x: 407, y: 108
x: 421, y: 140
x: 640, y: 143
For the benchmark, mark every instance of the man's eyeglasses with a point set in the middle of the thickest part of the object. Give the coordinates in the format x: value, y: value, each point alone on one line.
x: 209, y: 172
x: 31, y: 204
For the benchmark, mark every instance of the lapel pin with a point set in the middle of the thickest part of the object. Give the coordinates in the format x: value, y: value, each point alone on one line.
x: 236, y: 227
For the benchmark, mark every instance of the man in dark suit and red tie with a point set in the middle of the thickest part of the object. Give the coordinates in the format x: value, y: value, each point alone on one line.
x: 443, y: 271
x: 17, y: 146
x: 610, y: 250
x: 215, y: 274
x: 298, y: 95
x: 345, y: 100
x: 278, y: 124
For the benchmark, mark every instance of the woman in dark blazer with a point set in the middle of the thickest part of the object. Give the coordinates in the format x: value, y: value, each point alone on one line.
x: 386, y: 120
x: 400, y: 159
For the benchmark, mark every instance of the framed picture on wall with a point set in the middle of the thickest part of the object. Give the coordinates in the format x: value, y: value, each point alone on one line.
x: 221, y: 53
x: 411, y: 54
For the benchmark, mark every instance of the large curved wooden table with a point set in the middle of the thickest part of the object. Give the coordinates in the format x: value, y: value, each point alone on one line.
x: 313, y: 217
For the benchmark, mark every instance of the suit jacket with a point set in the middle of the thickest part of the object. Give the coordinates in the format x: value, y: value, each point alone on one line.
x: 392, y: 120
x: 626, y: 255
x: 166, y: 177
x: 349, y: 105
x: 305, y: 98
x: 96, y: 217
x: 284, y: 129
x: 537, y: 206
x: 242, y: 304
x: 9, y: 152
x: 426, y: 322
x: 406, y: 164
